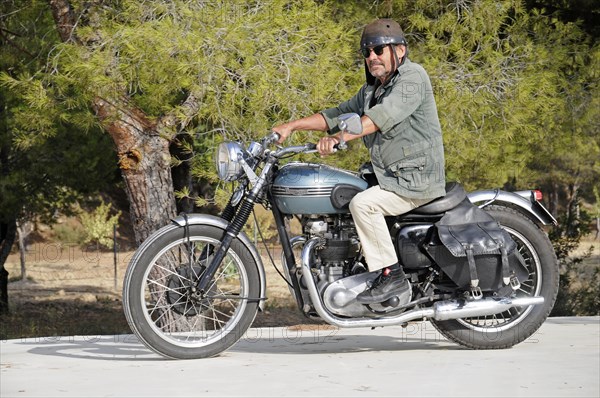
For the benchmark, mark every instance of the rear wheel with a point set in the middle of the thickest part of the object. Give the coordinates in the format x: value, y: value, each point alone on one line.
x: 161, y: 304
x: 503, y: 330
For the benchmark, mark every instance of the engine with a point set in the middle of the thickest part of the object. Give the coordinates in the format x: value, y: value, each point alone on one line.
x: 338, y: 267
x: 339, y: 256
x: 319, y: 195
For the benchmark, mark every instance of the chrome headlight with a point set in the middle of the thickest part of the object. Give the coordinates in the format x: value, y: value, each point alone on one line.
x: 227, y: 161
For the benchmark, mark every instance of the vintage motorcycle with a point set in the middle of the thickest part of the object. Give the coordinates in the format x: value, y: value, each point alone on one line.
x: 481, y: 268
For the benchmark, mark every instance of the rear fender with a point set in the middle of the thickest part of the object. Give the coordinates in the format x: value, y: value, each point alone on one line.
x: 524, y: 200
x: 207, y: 219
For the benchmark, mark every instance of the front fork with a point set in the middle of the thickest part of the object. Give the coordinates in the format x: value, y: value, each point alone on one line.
x: 232, y: 231
x: 237, y: 221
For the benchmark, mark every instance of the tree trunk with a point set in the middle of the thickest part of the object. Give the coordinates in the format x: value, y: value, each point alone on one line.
x: 24, y: 229
x: 142, y: 147
x: 64, y: 18
x: 572, y: 227
x: 182, y: 174
x: 553, y: 207
x: 143, y: 153
x: 8, y: 232
x: 144, y: 160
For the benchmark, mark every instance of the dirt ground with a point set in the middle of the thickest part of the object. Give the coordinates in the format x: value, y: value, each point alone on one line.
x: 71, y: 290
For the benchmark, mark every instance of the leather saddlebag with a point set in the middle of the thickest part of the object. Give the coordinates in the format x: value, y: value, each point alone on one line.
x: 475, y: 252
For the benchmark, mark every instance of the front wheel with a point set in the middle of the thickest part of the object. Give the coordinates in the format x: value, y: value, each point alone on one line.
x: 160, y: 300
x: 511, y: 327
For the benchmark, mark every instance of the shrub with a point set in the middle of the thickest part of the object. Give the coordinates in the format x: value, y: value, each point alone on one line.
x: 69, y: 234
x: 98, y: 225
x: 579, y: 289
x: 579, y: 292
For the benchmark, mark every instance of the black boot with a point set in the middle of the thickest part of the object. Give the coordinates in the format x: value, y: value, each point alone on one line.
x: 390, y: 282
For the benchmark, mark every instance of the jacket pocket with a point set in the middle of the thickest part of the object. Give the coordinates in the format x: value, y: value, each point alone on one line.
x: 410, y: 172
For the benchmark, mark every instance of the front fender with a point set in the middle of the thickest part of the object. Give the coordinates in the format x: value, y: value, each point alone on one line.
x: 522, y: 199
x: 214, y: 221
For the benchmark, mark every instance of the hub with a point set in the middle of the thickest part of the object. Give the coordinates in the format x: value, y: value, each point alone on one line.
x: 181, y: 293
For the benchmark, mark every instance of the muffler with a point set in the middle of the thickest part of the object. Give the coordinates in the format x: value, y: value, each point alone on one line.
x: 454, y: 309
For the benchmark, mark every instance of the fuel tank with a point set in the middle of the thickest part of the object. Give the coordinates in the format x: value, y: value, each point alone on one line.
x: 306, y: 188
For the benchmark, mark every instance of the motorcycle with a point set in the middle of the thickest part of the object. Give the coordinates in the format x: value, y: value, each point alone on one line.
x: 481, y: 268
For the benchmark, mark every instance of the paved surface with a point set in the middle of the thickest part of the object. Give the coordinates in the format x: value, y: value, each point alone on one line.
x: 561, y: 359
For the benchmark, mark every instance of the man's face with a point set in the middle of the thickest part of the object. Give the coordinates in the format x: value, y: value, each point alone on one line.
x: 382, y: 66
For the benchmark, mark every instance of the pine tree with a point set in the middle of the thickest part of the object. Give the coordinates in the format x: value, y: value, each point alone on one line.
x: 44, y: 167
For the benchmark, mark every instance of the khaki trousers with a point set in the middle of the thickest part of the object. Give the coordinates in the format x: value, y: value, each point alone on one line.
x: 368, y: 209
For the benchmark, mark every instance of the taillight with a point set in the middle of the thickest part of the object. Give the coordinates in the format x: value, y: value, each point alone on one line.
x: 537, y: 195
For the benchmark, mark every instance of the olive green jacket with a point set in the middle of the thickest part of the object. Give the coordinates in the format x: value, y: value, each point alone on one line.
x: 407, y: 152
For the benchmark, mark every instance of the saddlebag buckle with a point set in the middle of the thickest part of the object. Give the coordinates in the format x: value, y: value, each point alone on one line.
x: 514, y: 282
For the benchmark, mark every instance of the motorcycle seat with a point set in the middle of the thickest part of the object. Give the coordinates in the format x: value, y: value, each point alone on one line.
x: 455, y: 193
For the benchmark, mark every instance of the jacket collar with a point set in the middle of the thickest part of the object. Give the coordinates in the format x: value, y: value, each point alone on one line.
x: 377, y: 85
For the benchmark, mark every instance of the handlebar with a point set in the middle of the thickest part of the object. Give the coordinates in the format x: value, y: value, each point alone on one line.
x: 306, y: 148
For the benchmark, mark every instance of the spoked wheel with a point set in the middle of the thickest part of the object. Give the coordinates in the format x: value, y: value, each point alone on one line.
x: 164, y: 308
x: 503, y: 330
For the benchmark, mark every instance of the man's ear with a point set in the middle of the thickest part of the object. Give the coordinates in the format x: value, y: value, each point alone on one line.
x: 400, y: 50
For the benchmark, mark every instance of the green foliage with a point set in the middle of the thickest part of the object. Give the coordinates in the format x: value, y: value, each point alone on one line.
x: 249, y: 65
x: 69, y: 234
x: 47, y: 162
x: 499, y: 76
x: 517, y: 87
x: 585, y: 12
x: 98, y: 225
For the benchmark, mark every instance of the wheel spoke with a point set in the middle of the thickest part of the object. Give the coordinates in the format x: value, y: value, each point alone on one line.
x: 163, y: 305
x: 175, y: 310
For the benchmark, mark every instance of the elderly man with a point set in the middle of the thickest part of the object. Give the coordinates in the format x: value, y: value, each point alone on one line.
x: 402, y: 132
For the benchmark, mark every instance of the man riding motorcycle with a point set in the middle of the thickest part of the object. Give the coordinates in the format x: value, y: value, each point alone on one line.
x: 479, y: 266
x: 402, y: 131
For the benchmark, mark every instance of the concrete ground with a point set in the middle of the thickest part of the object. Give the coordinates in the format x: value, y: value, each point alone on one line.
x: 561, y: 359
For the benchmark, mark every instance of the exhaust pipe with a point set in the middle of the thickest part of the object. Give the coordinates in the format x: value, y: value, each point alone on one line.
x: 440, y: 311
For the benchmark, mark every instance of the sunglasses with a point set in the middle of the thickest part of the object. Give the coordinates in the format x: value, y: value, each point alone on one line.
x: 366, y: 52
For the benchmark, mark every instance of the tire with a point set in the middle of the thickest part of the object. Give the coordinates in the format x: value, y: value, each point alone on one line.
x: 511, y: 327
x: 161, y: 308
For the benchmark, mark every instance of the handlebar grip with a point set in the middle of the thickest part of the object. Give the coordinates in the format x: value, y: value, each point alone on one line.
x: 313, y: 147
x: 271, y: 139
